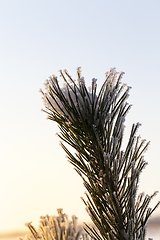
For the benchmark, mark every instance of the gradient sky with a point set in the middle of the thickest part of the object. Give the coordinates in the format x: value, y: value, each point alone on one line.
x: 37, y: 39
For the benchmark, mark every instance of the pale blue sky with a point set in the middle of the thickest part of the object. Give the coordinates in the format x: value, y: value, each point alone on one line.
x: 37, y: 39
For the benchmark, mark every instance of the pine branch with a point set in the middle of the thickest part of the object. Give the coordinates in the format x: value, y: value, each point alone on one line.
x: 93, y: 125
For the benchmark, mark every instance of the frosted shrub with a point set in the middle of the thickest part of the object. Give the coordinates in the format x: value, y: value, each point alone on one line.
x: 56, y: 228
